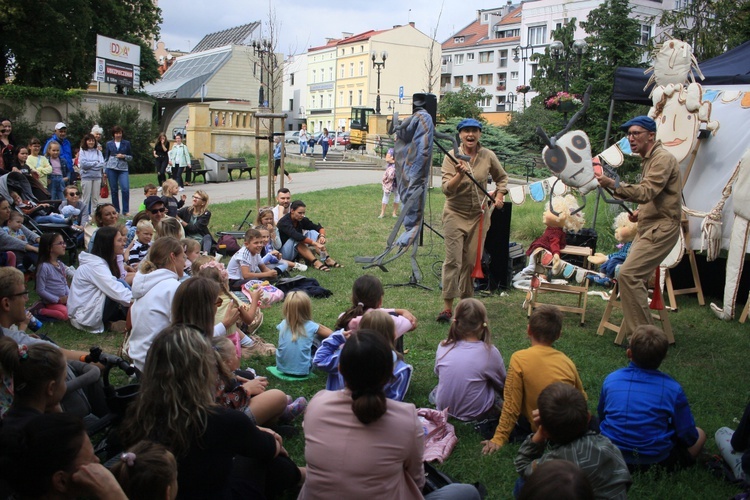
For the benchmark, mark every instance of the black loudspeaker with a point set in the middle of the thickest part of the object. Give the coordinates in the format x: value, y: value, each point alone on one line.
x: 586, y: 237
x: 428, y: 102
x: 496, y: 246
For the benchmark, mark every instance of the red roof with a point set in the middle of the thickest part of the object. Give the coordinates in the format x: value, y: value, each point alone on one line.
x: 361, y: 37
x: 476, y: 33
x: 328, y: 45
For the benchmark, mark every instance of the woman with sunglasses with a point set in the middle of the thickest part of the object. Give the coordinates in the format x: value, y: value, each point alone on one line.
x: 91, y: 161
x: 97, y: 295
x: 195, y: 219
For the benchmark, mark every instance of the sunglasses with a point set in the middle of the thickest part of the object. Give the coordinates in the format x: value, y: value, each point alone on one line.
x: 72, y: 193
x: 157, y: 210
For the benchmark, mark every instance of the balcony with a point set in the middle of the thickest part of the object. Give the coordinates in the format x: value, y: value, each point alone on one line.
x: 444, y: 89
x: 446, y: 68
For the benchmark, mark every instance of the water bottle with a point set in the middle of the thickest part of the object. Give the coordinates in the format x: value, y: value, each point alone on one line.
x: 34, y: 324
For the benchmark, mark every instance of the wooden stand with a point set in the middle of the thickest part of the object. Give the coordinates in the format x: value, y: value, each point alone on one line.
x: 745, y: 311
x: 580, y: 290
x: 696, y: 288
x: 614, y: 303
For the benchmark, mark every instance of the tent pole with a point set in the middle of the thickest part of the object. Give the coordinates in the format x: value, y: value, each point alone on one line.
x: 606, y: 141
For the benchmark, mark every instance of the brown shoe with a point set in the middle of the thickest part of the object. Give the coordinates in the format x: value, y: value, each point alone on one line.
x: 118, y: 326
x: 258, y: 348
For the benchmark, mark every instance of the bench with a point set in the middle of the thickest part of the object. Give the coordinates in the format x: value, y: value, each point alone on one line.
x: 239, y: 164
x: 195, y: 168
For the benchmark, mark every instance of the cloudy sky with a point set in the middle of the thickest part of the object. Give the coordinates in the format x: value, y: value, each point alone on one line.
x: 305, y: 24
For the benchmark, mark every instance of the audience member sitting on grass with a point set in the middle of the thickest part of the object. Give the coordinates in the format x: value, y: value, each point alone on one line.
x: 195, y: 219
x: 24, y: 252
x: 147, y: 471
x: 360, y: 444
x: 297, y: 331
x: 645, y: 412
x: 98, y: 295
x: 105, y: 215
x: 154, y: 288
x: 52, y: 457
x: 529, y: 372
x: 52, y: 278
x: 471, y: 373
x: 302, y: 237
x: 563, y: 420
x: 283, y: 200
x: 148, y: 190
x: 220, y: 452
x: 247, y: 264
x: 138, y: 248
x: 156, y: 210
x: 558, y: 479
x: 170, y: 227
x: 196, y: 302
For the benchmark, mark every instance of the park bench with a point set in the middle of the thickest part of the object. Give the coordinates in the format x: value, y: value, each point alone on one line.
x: 195, y: 168
x: 239, y: 164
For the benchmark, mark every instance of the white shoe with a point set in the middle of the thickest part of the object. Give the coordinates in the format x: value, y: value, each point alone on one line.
x: 300, y: 267
x: 182, y: 189
x: 324, y: 159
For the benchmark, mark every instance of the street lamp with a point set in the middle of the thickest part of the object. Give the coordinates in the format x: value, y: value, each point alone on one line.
x: 567, y: 57
x: 523, y: 54
x: 379, y: 66
x: 511, y: 99
x: 264, y: 52
x: 391, y: 104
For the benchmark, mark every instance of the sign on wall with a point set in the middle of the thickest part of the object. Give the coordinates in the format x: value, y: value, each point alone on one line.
x: 117, y: 62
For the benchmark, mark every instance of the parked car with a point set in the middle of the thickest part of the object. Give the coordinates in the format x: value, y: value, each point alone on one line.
x: 291, y: 137
x: 343, y: 140
x: 179, y: 130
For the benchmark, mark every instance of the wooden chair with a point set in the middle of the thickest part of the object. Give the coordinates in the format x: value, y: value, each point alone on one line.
x: 657, y: 305
x: 579, y: 290
x: 697, y: 289
x: 745, y: 311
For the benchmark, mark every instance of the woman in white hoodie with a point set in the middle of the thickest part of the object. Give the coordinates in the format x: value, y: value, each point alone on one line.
x: 97, y: 296
x: 154, y: 287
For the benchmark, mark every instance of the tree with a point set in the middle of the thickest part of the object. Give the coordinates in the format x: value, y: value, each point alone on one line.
x: 710, y: 26
x: 46, y: 44
x: 462, y: 104
x: 432, y: 69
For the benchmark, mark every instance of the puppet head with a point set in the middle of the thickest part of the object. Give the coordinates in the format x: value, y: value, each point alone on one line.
x: 673, y: 61
x: 565, y: 206
x: 624, y: 229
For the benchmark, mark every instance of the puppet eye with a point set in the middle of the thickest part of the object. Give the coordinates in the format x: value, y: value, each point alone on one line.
x: 574, y: 156
x: 555, y: 159
x: 689, y: 117
x: 578, y: 142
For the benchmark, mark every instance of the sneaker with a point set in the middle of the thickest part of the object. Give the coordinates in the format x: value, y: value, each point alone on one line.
x: 118, y: 326
x: 324, y: 159
x: 294, y: 410
x: 300, y: 267
x: 259, y: 347
x: 445, y: 316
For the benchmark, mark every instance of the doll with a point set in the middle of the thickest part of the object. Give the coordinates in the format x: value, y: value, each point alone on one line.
x: 545, y: 250
x: 610, y: 264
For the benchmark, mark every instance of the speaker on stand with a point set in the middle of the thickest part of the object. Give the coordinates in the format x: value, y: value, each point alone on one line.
x: 496, y: 246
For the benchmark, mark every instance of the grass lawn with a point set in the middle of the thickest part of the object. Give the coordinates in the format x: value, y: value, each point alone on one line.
x: 709, y: 360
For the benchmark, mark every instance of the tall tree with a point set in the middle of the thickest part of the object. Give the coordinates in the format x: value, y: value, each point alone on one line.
x: 462, y: 104
x: 710, y: 26
x: 53, y: 44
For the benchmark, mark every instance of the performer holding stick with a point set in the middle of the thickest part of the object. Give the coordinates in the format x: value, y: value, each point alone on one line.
x: 464, y: 205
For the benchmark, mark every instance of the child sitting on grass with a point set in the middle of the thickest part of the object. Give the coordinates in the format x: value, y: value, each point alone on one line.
x: 170, y: 190
x: 148, y: 190
x: 136, y: 252
x: 645, y: 412
x: 147, y: 471
x: 379, y: 321
x: 563, y: 420
x: 192, y: 250
x: 529, y: 372
x: 247, y: 263
x: 470, y: 370
x: 296, y: 333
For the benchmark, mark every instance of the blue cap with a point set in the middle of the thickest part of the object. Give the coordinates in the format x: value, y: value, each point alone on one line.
x: 641, y: 121
x: 469, y: 122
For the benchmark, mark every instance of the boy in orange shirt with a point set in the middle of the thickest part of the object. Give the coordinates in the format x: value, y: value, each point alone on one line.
x: 530, y: 371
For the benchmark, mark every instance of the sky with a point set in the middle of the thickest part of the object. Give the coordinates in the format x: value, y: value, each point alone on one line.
x: 305, y: 24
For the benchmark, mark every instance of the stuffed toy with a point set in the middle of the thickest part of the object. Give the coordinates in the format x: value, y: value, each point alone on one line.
x: 609, y: 265
x: 545, y: 250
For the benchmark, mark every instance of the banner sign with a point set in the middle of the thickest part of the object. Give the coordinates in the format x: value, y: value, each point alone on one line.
x: 119, y: 51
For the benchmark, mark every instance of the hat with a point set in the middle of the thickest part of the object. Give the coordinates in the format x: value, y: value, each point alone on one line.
x: 60, y: 125
x: 641, y: 121
x: 151, y: 201
x: 469, y: 122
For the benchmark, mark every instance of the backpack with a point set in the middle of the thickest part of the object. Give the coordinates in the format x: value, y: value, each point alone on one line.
x: 299, y: 283
x: 228, y: 245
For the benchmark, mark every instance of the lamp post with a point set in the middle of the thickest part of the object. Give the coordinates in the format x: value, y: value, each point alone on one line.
x: 263, y: 50
x: 523, y: 54
x: 567, y: 57
x: 379, y: 66
x: 511, y: 99
x: 391, y: 104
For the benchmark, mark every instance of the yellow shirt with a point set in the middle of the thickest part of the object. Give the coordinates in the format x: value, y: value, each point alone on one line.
x: 40, y: 165
x: 530, y: 371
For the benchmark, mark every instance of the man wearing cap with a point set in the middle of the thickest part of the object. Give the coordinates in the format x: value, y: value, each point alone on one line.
x: 659, y: 212
x: 463, y: 208
x: 66, y: 150
x: 156, y: 209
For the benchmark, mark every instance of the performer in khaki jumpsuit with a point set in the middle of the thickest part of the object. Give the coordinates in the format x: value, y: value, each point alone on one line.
x: 660, y: 209
x: 463, y: 207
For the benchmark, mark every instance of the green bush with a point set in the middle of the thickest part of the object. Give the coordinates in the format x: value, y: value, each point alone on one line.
x: 140, y: 133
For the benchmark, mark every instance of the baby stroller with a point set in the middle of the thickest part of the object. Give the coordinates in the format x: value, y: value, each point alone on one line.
x: 18, y: 182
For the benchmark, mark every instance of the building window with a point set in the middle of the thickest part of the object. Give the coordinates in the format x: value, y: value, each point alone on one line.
x: 291, y: 104
x: 359, y: 98
x: 469, y: 56
x: 341, y: 98
x: 351, y: 98
x: 485, y: 102
x: 502, y: 56
x: 486, y: 57
x: 458, y: 39
x: 458, y: 81
x: 447, y: 59
x: 645, y: 34
x: 537, y: 35
x: 469, y: 79
x: 459, y: 59
x: 291, y: 78
x: 330, y: 73
x: 313, y: 76
x: 321, y: 101
x: 361, y: 68
x: 514, y: 75
x: 485, y: 79
x: 342, y: 71
x: 361, y: 48
x: 351, y: 69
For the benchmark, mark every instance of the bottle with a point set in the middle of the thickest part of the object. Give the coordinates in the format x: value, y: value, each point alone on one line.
x: 34, y: 324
